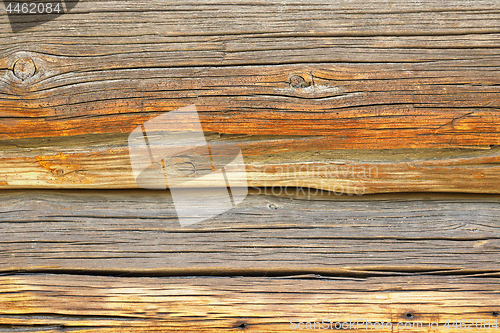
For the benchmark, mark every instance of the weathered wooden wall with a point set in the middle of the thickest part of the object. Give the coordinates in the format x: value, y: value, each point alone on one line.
x: 117, y: 261
x: 398, y: 96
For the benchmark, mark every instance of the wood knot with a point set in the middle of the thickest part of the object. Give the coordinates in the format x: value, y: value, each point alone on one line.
x: 58, y: 172
x: 298, y: 81
x: 409, y: 315
x: 24, y: 68
x: 273, y: 206
x: 241, y: 325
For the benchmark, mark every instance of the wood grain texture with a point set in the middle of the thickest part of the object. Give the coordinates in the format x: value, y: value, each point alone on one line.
x: 292, y: 83
x: 136, y: 232
x: 386, y: 95
x: 104, y: 163
x: 58, y: 303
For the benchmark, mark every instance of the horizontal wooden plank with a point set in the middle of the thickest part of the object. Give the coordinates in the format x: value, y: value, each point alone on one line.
x: 55, y: 303
x: 311, y: 82
x: 121, y: 232
x: 198, y: 18
x: 104, y: 162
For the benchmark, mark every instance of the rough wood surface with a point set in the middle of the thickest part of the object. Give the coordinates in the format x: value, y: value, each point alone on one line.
x: 414, y: 84
x: 116, y: 304
x: 386, y: 95
x: 134, y: 232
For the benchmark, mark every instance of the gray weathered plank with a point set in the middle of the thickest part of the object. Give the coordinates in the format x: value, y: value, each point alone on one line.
x: 138, y: 230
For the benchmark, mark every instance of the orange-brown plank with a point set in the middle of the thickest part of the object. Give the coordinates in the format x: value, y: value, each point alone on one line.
x: 292, y: 84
